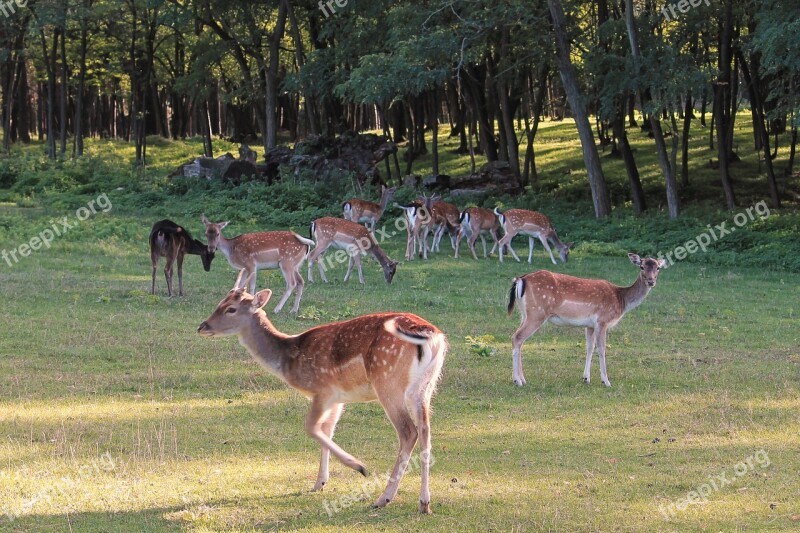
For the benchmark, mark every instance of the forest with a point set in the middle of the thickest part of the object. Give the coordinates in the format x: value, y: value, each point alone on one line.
x: 279, y: 71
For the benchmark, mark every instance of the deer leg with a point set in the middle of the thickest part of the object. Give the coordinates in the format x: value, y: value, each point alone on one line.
x: 168, y: 275
x: 421, y: 408
x: 529, y: 326
x: 349, y: 268
x: 313, y: 257
x: 502, y: 244
x: 180, y: 273
x: 531, y: 243
x: 495, y: 238
x: 154, y: 260
x: 328, y: 427
x: 510, y: 248
x: 397, y: 412
x: 357, y: 259
x: 602, y: 332
x: 252, y: 287
x: 299, y: 283
x: 589, y: 351
x: 547, y: 247
x: 291, y: 281
x: 320, y: 407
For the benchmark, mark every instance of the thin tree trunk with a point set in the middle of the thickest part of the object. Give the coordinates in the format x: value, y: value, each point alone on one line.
x: 271, y: 137
x: 77, y: 150
x: 597, y: 181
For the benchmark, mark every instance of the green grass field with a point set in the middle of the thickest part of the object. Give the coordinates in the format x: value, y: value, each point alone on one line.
x: 116, y: 416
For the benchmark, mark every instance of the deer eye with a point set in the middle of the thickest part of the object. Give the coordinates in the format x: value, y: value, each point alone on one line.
x: 231, y: 310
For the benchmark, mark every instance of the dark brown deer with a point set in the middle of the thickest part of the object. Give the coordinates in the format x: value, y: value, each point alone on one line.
x: 169, y: 240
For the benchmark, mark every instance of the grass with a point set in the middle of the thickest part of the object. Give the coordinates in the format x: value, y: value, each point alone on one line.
x: 116, y: 416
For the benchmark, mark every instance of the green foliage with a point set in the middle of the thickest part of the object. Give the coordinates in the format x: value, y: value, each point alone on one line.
x: 481, y: 345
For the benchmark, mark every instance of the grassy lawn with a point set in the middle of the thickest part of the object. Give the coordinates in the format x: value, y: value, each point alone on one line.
x: 116, y: 416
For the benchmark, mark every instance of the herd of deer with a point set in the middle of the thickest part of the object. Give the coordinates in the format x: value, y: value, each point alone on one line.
x: 395, y: 358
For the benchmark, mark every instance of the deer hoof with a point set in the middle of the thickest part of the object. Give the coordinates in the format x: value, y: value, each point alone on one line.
x: 607, y: 384
x: 425, y: 507
x: 318, y: 486
x: 586, y: 380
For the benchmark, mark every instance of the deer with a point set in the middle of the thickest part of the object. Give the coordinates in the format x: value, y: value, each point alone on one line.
x: 418, y: 216
x: 369, y: 213
x: 444, y: 217
x: 285, y: 250
x: 173, y: 242
x: 533, y: 224
x: 394, y: 358
x: 475, y: 221
x: 563, y: 300
x: 352, y: 237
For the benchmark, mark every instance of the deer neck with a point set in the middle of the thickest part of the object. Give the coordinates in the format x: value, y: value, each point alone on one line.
x: 268, y: 346
x: 226, y: 247
x: 196, y: 247
x: 634, y: 295
x: 380, y: 255
x: 553, y: 237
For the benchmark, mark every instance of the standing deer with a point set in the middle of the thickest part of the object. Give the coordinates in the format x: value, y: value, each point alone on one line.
x: 285, y: 250
x: 532, y: 224
x: 475, y: 221
x: 418, y: 216
x: 369, y: 213
x: 169, y: 240
x: 444, y: 217
x: 349, y: 236
x: 395, y: 358
x: 594, y: 304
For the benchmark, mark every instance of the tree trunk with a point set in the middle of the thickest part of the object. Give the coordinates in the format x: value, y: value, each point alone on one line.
x: 637, y: 193
x: 722, y: 104
x: 271, y: 137
x: 77, y: 149
x: 63, y: 89
x: 569, y: 78
x: 688, y: 113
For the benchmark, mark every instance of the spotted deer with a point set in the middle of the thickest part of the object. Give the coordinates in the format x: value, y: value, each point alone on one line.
x: 533, y: 224
x: 369, y: 213
x: 418, y: 216
x: 444, y: 217
x: 394, y: 358
x: 475, y: 221
x: 349, y: 236
x: 173, y: 242
x: 594, y: 304
x: 285, y: 250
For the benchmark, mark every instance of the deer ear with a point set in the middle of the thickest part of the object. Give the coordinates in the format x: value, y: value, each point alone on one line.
x: 223, y: 224
x: 661, y: 263
x: 570, y: 245
x: 635, y: 259
x: 205, y: 220
x: 261, y: 299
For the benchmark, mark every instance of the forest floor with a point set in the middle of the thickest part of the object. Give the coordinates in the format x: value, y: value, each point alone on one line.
x: 116, y: 416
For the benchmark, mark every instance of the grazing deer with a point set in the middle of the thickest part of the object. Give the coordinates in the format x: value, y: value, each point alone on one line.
x: 532, y: 224
x: 169, y: 240
x: 444, y: 217
x: 395, y: 358
x: 349, y: 236
x: 369, y: 213
x: 285, y: 250
x: 594, y: 304
x: 475, y: 221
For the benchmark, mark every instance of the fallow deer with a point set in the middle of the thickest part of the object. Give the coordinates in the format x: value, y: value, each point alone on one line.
x: 395, y: 358
x: 475, y: 221
x: 594, y: 304
x: 369, y: 213
x: 351, y: 237
x: 444, y: 217
x: 418, y: 216
x: 285, y: 250
x: 171, y: 241
x: 533, y: 224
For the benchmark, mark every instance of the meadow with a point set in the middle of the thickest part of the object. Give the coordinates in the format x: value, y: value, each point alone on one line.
x: 116, y: 416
